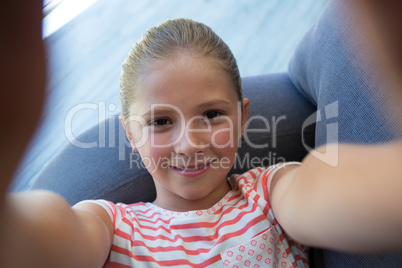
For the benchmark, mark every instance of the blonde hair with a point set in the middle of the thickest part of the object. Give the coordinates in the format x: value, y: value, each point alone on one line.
x: 167, y: 40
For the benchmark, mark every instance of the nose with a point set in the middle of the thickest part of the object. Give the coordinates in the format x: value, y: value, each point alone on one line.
x: 194, y: 141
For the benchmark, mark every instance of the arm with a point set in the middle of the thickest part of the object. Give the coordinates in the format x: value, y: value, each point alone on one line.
x: 47, y: 232
x: 356, y: 206
x: 37, y: 229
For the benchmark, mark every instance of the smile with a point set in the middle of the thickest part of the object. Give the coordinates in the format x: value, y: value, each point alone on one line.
x: 192, y: 171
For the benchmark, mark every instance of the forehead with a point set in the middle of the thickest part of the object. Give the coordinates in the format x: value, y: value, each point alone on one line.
x: 183, y: 81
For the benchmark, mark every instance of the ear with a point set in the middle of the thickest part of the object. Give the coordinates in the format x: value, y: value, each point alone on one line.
x: 246, y: 103
x: 128, y: 132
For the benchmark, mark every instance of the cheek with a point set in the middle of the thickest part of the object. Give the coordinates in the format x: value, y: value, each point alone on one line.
x: 222, y: 139
x: 158, y: 140
x: 155, y: 159
x: 227, y: 157
x: 225, y: 136
x: 146, y: 137
x: 136, y: 129
x: 225, y: 143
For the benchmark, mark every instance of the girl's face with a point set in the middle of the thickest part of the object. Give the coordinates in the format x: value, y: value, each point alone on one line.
x: 187, y: 123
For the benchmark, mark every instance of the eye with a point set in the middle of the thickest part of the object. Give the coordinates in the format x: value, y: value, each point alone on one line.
x: 161, y: 122
x: 212, y: 114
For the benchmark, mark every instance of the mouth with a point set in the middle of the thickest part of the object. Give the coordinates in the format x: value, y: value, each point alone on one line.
x: 192, y: 170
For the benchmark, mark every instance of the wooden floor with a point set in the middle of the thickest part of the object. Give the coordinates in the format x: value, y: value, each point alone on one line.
x: 84, y: 57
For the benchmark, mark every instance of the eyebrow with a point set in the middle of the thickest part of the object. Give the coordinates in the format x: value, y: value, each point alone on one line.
x: 214, y: 102
x: 164, y: 111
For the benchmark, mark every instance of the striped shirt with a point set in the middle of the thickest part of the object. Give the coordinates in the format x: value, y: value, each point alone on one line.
x: 238, y: 231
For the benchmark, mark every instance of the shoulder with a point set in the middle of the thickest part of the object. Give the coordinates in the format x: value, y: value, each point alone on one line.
x: 259, y: 174
x: 261, y: 178
x: 115, y: 212
x: 249, y: 177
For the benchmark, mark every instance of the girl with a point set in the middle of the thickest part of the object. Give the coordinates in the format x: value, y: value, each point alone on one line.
x: 184, y: 113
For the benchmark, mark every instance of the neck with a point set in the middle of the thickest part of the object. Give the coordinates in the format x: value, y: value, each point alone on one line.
x: 179, y: 203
